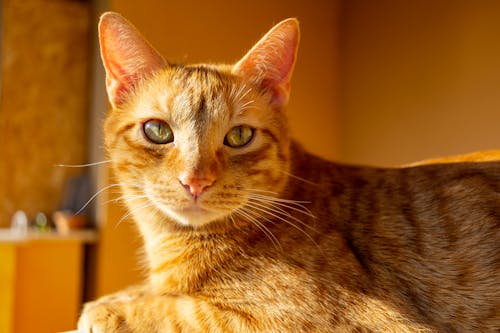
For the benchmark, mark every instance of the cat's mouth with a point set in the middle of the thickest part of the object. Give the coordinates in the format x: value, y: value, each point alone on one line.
x: 187, y: 212
x: 192, y: 214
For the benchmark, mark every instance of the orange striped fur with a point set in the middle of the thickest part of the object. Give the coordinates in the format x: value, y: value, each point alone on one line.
x: 269, y: 238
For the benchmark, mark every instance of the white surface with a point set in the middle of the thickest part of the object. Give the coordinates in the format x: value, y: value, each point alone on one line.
x: 11, y: 236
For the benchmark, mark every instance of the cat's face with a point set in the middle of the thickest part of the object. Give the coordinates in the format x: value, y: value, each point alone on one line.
x: 194, y: 143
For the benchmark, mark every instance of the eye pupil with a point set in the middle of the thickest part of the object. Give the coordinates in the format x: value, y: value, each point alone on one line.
x: 158, y: 131
x: 239, y: 136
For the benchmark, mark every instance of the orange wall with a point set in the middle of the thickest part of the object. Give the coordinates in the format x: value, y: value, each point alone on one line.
x: 419, y: 79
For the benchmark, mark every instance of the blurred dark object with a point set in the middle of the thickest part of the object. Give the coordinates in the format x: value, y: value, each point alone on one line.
x: 76, y: 193
x: 74, y: 205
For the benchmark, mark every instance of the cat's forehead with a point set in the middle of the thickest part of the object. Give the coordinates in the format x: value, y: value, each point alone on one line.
x: 195, y: 93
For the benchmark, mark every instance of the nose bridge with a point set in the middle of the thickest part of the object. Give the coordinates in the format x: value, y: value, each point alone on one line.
x: 203, y: 163
x: 200, y: 163
x: 200, y: 171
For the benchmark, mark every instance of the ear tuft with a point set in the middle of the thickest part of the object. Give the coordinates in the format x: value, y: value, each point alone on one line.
x: 127, y: 56
x: 270, y: 62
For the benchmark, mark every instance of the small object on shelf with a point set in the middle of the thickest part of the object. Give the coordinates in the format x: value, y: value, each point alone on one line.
x: 41, y: 222
x: 19, y: 222
x: 66, y: 221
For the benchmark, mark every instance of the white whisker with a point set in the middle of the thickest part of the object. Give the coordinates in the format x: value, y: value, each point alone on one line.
x: 299, y: 178
x: 258, y: 190
x: 253, y: 219
x: 94, y: 196
x: 126, y: 197
x: 232, y: 219
x: 247, y: 105
x: 81, y: 165
x: 271, y: 207
x: 286, y: 221
x: 238, y: 96
x: 270, y: 211
x: 133, y: 210
x: 281, y: 199
x: 293, y: 205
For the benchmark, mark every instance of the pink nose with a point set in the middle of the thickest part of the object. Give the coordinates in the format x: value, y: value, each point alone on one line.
x: 195, y: 185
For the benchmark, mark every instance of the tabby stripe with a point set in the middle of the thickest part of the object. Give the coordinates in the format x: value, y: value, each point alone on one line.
x: 173, y: 317
x: 348, y: 224
x: 202, y: 107
x: 151, y: 151
x: 200, y: 317
x: 241, y: 318
x: 406, y: 206
x: 173, y: 261
x: 353, y: 225
x: 270, y: 134
x: 214, y: 318
x: 446, y: 221
x: 265, y: 172
x: 124, y: 129
x: 178, y: 328
x: 186, y: 309
x: 413, y: 298
x: 125, y: 168
x: 254, y: 156
x: 282, y: 157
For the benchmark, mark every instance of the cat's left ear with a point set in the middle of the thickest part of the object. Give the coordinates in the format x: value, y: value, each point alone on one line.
x: 270, y: 62
x: 127, y: 56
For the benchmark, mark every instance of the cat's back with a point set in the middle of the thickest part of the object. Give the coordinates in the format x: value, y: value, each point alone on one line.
x: 426, y: 236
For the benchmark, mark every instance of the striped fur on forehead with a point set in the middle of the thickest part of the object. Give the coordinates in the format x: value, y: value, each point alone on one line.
x: 203, y: 98
x: 202, y: 95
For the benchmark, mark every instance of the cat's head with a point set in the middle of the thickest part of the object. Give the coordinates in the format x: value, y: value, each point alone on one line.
x: 195, y: 143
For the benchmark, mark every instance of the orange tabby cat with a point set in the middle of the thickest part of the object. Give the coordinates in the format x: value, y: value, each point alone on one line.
x: 244, y: 231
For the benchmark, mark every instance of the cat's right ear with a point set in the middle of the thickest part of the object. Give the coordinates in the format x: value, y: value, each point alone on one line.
x: 126, y: 55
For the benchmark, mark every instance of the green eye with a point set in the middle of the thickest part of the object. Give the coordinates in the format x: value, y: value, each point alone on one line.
x: 158, y: 131
x: 238, y: 136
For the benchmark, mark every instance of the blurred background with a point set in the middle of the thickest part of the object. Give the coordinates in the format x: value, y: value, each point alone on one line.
x: 376, y: 82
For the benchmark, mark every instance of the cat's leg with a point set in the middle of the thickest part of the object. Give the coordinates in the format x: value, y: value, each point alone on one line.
x: 162, y: 313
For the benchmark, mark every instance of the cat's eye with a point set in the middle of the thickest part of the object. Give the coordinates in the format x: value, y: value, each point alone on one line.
x: 158, y: 131
x: 239, y: 136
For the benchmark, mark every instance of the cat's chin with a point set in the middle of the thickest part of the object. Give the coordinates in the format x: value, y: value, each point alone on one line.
x: 193, y: 215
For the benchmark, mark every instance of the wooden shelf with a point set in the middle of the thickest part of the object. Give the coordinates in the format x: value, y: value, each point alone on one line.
x: 85, y: 236
x: 41, y: 270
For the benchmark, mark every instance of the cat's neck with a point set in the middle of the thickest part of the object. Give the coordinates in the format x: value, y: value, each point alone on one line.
x: 181, y: 261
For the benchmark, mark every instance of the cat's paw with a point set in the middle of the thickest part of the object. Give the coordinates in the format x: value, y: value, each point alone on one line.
x: 102, y: 317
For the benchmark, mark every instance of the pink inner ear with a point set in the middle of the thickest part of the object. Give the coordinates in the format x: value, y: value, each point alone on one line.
x: 270, y: 62
x: 119, y: 86
x: 126, y: 55
x: 118, y: 83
